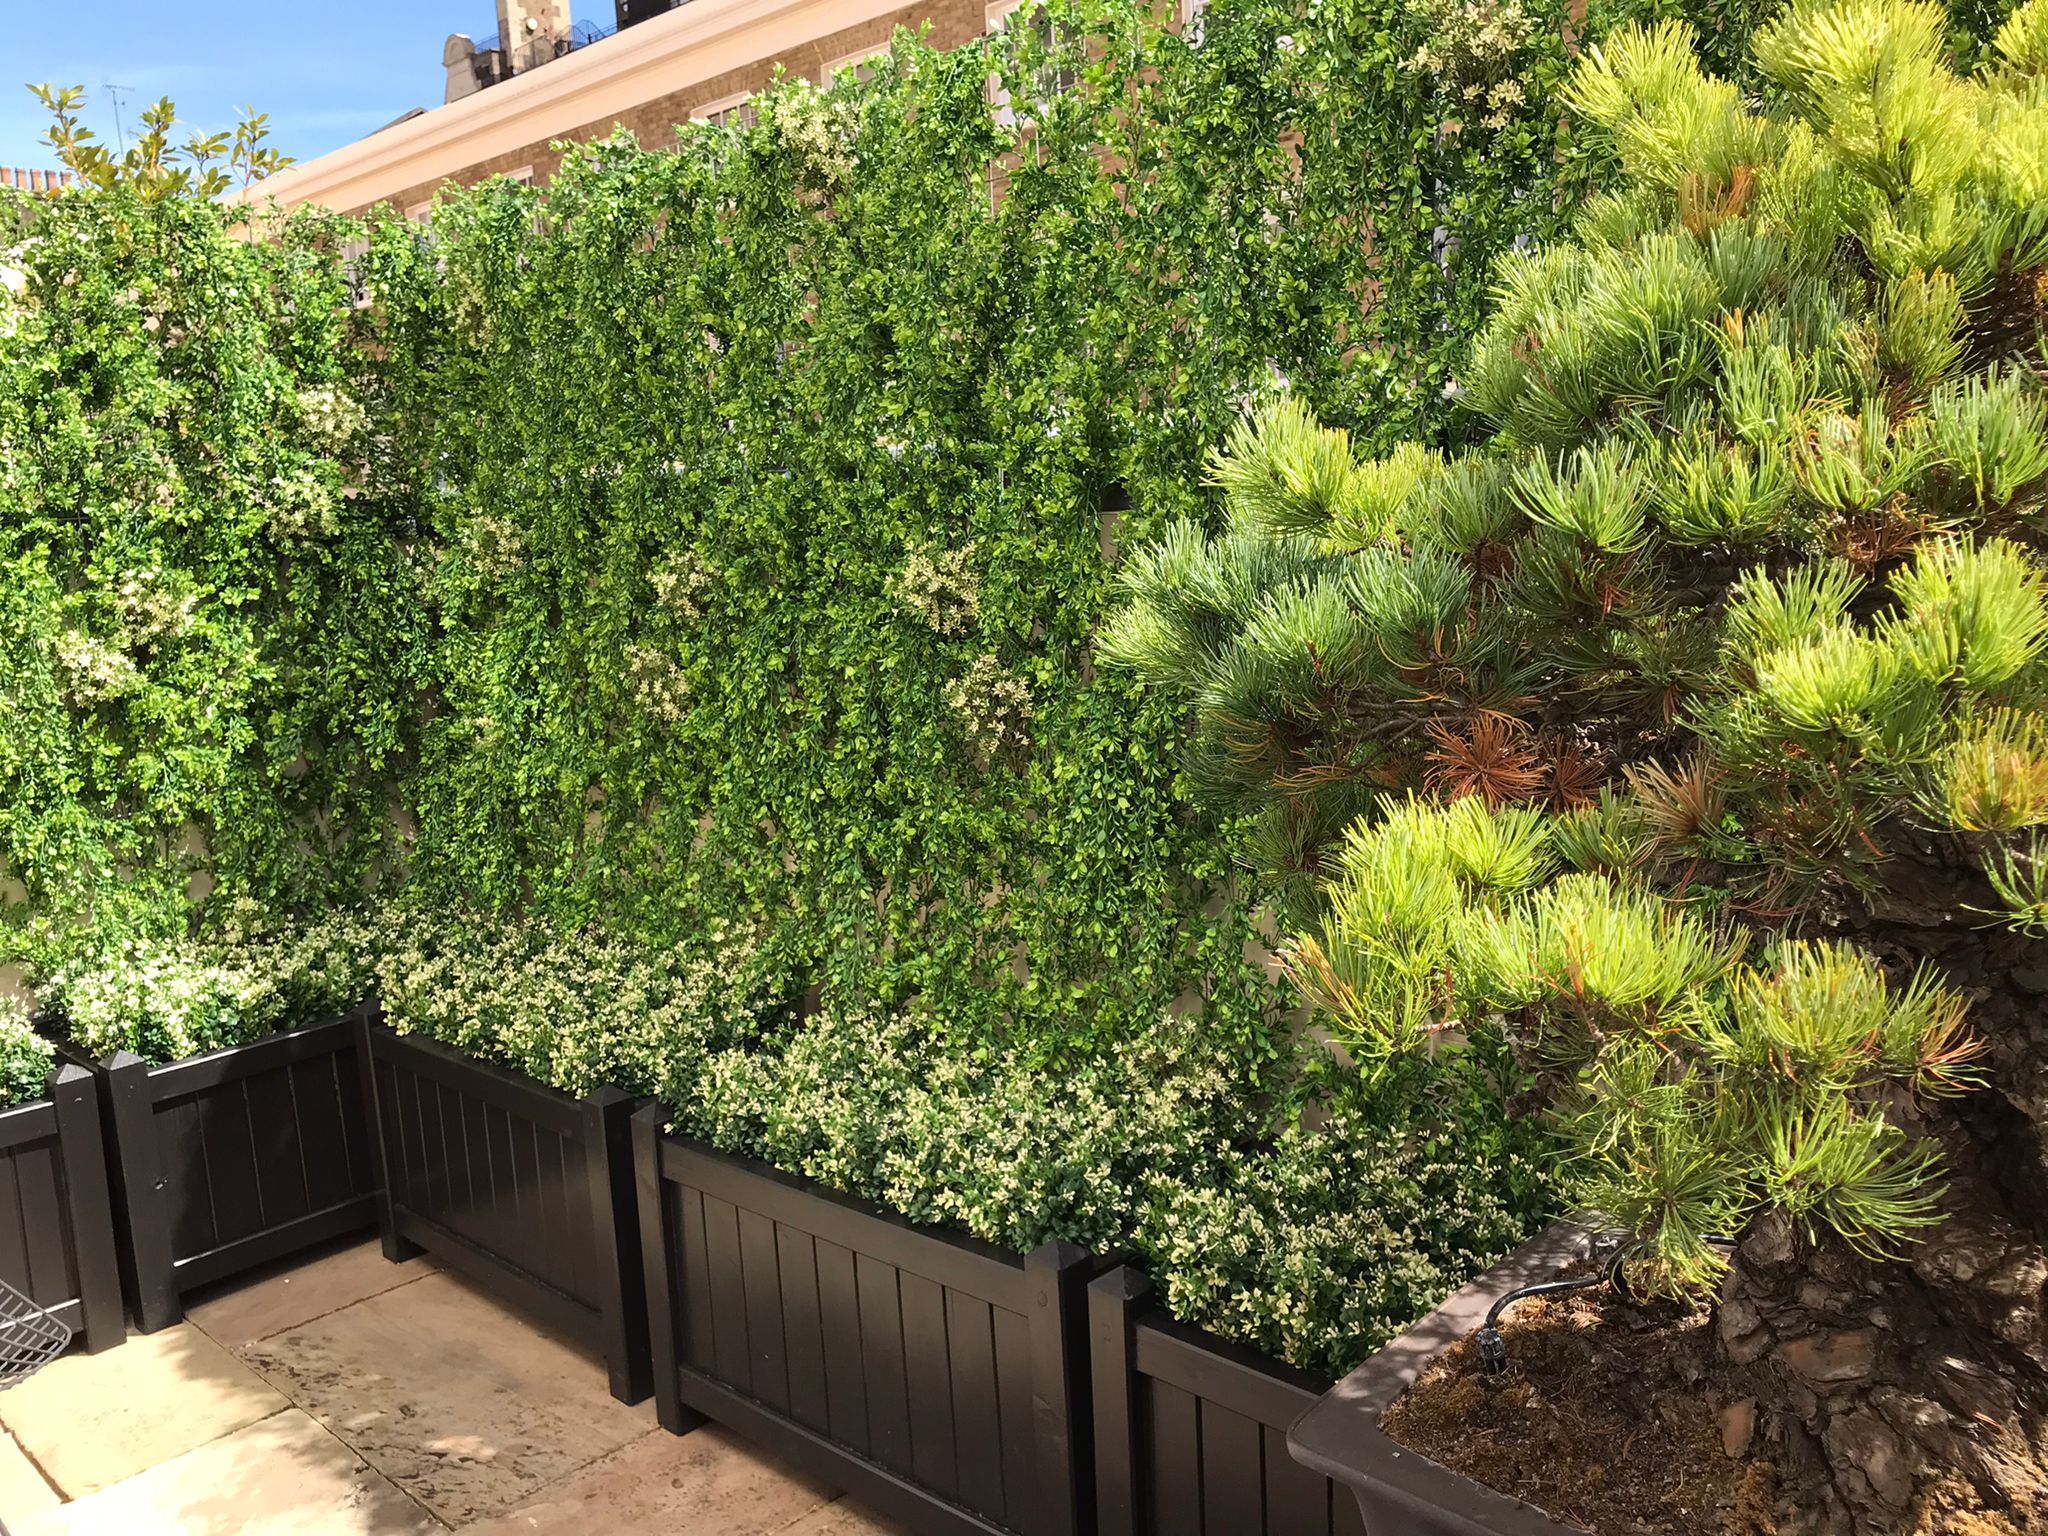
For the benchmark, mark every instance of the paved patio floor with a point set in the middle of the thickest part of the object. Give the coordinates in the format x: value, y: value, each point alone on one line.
x: 351, y: 1397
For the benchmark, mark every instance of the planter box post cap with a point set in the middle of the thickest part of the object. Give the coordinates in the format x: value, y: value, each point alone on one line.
x: 607, y: 1096
x: 123, y: 1060
x: 654, y: 1116
x: 1122, y: 1284
x: 1058, y: 1254
x: 70, y: 1072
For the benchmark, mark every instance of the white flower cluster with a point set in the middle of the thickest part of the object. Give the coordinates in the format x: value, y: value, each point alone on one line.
x: 682, y: 582
x: 493, y: 546
x: 301, y: 505
x: 1473, y: 48
x: 98, y: 669
x: 25, y: 1056
x: 659, y: 683
x: 940, y: 587
x: 815, y: 130
x: 335, y: 421
x: 991, y: 708
x: 151, y: 609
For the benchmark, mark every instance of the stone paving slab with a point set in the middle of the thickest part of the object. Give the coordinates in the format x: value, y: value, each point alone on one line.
x: 705, y: 1483
x: 469, y: 1409
x: 256, y: 1309
x: 24, y: 1491
x: 845, y: 1518
x: 90, y: 1421
x: 282, y: 1476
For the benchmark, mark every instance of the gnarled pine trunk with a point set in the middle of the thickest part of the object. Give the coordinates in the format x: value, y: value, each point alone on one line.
x: 1912, y: 1395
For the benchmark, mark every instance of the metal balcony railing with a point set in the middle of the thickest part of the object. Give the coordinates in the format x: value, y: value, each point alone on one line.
x: 524, y: 53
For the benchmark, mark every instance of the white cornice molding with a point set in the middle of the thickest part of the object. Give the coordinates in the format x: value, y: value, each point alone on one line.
x: 696, y: 41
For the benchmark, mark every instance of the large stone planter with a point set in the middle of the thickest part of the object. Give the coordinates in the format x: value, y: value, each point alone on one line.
x: 1399, y: 1492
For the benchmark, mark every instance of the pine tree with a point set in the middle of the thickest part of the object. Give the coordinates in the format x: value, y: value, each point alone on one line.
x: 1673, y: 736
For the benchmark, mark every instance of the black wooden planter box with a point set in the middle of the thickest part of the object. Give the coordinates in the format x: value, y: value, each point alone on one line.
x: 234, y: 1159
x: 1191, y: 1430
x: 939, y: 1379
x: 1396, y: 1489
x: 56, y: 1220
x: 516, y: 1186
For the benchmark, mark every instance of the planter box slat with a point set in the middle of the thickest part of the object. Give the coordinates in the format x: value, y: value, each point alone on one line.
x: 958, y: 1261
x: 1191, y: 1430
x: 934, y: 1376
x: 977, y: 1399
x: 826, y: 1460
x: 1021, y: 1493
x: 56, y: 1220
x: 1174, y: 1465
x: 803, y: 1335
x: 234, y: 1159
x: 1223, y: 1372
x: 846, y: 1404
x: 274, y: 1243
x: 883, y: 1368
x: 519, y: 1188
x: 195, y: 1074
x: 558, y: 1310
x: 428, y: 1061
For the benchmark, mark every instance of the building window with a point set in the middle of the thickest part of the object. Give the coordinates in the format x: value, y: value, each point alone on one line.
x: 524, y: 175
x: 728, y: 110
x: 1191, y: 14
x: 353, y: 254
x: 864, y: 64
x: 421, y: 213
x: 1053, y: 80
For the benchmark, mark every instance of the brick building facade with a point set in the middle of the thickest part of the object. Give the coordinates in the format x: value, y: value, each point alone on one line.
x: 699, y: 60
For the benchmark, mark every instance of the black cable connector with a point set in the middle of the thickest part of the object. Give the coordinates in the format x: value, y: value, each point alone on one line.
x: 1493, y: 1349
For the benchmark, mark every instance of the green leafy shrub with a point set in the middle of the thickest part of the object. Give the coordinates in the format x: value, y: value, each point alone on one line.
x: 206, y: 610
x: 574, y: 1008
x: 1323, y: 1245
x: 1315, y: 1242
x: 25, y: 1056
x: 254, y: 975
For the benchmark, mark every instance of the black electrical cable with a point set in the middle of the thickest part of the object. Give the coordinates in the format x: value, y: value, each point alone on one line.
x: 1493, y: 1349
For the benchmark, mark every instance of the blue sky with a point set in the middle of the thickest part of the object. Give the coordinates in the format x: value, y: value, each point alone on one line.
x: 327, y: 71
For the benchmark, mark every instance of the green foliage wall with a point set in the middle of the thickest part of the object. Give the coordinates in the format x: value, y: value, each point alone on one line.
x: 778, y: 482
x: 722, y: 535
x: 206, y: 627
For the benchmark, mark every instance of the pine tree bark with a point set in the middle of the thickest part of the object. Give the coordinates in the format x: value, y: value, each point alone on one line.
x: 1912, y: 1395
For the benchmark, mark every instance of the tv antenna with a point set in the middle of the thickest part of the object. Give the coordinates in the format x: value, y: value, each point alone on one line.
x: 114, y: 94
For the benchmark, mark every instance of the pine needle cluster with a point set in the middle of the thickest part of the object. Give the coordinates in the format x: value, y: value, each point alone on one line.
x: 1555, y: 739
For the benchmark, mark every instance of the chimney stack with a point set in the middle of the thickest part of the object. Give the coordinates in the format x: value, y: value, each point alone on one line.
x: 34, y: 180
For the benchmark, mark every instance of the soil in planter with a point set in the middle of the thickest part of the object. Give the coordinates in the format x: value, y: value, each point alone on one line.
x: 1612, y: 1416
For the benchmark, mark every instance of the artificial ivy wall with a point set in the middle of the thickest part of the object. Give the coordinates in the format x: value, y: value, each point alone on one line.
x: 716, y: 539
